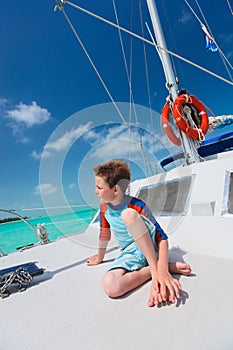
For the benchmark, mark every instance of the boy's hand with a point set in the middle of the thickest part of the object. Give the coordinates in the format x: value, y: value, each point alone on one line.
x: 93, y: 260
x: 164, y: 288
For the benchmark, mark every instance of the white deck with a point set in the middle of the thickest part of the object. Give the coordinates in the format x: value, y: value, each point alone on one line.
x: 66, y: 308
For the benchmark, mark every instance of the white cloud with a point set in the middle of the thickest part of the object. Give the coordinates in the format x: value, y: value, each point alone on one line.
x: 103, y: 135
x: 118, y: 142
x: 185, y: 17
x: 25, y: 140
x: 3, y: 102
x: 45, y: 188
x: 226, y: 39
x: 115, y: 148
x: 29, y: 115
x: 226, y: 44
x: 36, y: 155
x: 65, y: 141
x: 72, y: 186
x: 229, y: 54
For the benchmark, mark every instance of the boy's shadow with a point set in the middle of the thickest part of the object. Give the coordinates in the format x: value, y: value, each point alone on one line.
x: 175, y: 254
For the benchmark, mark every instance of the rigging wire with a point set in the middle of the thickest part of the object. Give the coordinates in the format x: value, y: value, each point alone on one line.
x: 230, y: 8
x: 92, y: 64
x: 222, y: 55
x: 59, y: 6
x: 129, y: 77
x: 147, y: 80
x: 173, y: 43
x: 60, y: 2
x: 158, y: 52
x: 148, y: 89
x: 146, y: 65
x: 197, y: 66
x: 128, y: 73
x: 123, y: 53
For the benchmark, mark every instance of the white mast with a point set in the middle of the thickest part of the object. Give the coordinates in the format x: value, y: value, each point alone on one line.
x: 188, y: 145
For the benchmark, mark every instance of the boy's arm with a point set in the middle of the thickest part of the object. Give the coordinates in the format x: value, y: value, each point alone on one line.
x: 104, y: 238
x: 166, y: 286
x: 97, y: 259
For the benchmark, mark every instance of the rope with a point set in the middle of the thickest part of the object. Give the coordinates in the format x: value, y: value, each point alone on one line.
x: 187, y: 112
x: 20, y: 276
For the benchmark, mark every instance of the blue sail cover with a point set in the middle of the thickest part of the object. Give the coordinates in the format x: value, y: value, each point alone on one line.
x: 215, y: 145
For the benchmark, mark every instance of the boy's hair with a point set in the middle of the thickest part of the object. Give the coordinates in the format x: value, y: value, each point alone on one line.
x: 114, y: 172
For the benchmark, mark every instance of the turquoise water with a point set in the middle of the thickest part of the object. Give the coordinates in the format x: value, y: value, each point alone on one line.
x: 17, y: 233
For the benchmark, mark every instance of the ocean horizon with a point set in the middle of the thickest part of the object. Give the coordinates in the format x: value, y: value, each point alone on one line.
x: 16, y: 234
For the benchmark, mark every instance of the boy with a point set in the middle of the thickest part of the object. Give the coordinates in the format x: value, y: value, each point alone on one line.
x: 143, y: 242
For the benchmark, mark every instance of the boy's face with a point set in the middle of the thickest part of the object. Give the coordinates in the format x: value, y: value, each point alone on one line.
x: 104, y: 192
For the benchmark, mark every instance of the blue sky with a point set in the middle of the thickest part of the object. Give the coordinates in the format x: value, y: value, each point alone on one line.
x: 57, y: 121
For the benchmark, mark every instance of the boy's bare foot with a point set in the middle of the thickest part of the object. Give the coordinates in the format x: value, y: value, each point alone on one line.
x: 180, y: 268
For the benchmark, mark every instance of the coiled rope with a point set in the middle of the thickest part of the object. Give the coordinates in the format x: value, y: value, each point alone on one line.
x: 20, y: 276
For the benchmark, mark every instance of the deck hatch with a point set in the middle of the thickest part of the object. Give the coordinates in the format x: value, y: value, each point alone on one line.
x: 168, y: 197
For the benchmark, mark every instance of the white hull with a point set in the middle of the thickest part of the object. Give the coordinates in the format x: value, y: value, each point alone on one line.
x: 205, y: 228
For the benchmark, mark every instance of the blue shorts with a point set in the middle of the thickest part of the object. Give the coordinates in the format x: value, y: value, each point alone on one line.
x: 132, y: 258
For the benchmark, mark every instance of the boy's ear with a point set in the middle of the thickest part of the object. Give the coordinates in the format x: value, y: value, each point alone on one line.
x: 116, y: 189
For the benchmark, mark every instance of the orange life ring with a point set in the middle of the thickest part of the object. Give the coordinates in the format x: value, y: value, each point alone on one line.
x: 165, y: 118
x: 183, y: 125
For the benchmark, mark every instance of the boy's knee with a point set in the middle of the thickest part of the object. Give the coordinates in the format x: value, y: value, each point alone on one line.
x: 110, y: 286
x: 129, y: 215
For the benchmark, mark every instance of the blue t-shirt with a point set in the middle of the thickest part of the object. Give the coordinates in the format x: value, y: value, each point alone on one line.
x: 111, y: 221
